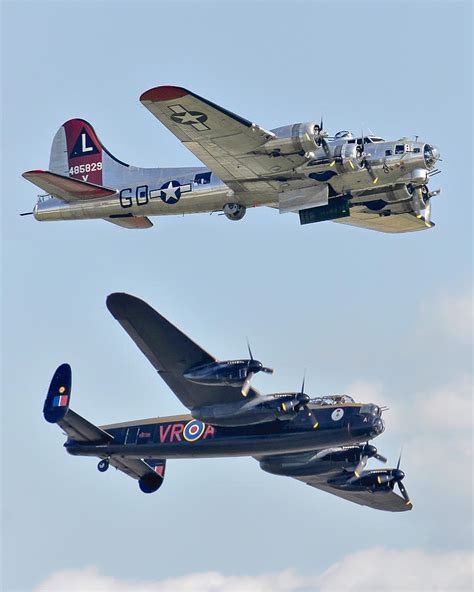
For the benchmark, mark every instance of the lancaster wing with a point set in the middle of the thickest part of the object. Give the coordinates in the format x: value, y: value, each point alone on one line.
x: 388, y: 501
x: 228, y: 144
x: 170, y: 351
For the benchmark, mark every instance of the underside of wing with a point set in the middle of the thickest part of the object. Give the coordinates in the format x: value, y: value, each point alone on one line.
x: 395, y: 223
x: 66, y: 188
x: 227, y: 143
x: 387, y: 501
x: 170, y: 351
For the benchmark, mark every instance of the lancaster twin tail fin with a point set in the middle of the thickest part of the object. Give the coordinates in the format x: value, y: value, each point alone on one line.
x: 149, y: 474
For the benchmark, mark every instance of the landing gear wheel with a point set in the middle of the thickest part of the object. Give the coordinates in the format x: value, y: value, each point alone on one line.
x: 103, y: 465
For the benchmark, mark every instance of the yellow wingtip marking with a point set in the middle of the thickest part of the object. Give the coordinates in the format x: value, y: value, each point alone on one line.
x: 332, y: 163
x: 283, y: 406
x: 315, y: 425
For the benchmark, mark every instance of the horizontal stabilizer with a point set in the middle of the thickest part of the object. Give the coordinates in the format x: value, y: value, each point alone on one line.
x: 66, y: 188
x: 132, y: 222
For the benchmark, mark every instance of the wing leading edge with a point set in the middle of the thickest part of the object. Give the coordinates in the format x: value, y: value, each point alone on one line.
x: 170, y: 351
x: 227, y: 143
x: 387, y: 501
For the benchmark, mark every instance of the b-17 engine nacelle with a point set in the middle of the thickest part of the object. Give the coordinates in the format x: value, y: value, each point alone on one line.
x: 301, y: 138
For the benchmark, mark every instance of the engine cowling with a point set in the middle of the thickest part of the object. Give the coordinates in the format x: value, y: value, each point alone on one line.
x: 150, y: 482
x: 300, y: 138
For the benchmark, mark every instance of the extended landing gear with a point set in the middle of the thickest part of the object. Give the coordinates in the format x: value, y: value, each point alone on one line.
x: 103, y: 465
x: 234, y: 211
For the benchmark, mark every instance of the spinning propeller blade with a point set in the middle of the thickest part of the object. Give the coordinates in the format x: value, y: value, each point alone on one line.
x: 302, y: 404
x: 246, y: 386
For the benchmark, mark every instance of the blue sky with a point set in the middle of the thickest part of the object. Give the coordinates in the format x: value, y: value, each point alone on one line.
x: 384, y: 318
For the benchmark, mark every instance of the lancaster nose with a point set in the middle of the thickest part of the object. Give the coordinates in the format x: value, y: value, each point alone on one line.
x: 378, y: 426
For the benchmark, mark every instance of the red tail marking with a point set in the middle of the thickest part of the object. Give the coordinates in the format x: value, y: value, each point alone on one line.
x: 84, y: 151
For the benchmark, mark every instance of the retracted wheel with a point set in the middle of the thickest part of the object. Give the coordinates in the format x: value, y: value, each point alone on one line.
x: 103, y: 465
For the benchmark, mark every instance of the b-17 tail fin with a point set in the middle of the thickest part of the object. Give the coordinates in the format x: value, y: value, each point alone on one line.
x: 78, y: 153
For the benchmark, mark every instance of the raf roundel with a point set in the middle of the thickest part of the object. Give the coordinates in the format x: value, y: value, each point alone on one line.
x: 337, y: 414
x: 193, y: 430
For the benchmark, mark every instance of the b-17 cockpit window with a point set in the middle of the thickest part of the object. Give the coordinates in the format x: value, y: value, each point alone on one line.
x: 399, y: 148
x: 376, y: 139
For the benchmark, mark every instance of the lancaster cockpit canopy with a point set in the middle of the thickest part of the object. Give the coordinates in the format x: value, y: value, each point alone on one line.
x: 332, y: 400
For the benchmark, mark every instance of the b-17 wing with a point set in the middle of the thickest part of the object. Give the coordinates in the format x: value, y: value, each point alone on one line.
x: 395, y: 223
x: 170, y: 351
x: 227, y: 143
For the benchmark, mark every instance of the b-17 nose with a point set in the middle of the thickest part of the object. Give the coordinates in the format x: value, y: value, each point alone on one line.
x: 431, y: 155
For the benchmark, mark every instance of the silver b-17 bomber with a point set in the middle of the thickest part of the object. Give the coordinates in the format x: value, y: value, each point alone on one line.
x: 364, y: 181
x: 321, y: 441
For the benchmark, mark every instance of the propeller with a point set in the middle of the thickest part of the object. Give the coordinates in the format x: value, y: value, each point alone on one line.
x: 256, y: 367
x: 365, y: 162
x: 302, y: 404
x: 321, y: 141
x: 366, y: 452
x: 397, y: 476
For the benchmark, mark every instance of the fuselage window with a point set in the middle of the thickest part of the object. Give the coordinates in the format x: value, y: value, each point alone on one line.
x: 388, y: 153
x: 399, y: 149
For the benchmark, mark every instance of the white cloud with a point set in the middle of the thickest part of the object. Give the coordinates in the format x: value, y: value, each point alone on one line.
x: 412, y: 570
x: 452, y: 313
x: 90, y: 580
x: 409, y: 570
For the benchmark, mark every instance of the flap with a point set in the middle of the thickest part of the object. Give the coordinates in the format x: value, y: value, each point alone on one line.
x: 300, y: 199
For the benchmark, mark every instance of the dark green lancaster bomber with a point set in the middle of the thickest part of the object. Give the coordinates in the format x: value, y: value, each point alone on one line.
x: 322, y: 442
